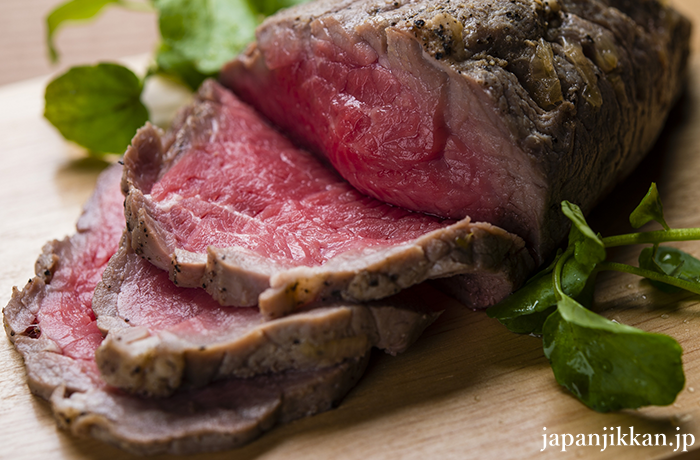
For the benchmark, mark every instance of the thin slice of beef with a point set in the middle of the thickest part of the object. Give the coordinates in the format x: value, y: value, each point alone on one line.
x: 54, y: 309
x: 52, y: 325
x: 232, y: 206
x: 497, y: 110
x: 160, y: 337
x: 224, y: 415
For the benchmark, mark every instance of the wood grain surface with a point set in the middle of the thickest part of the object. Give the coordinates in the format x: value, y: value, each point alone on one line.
x: 467, y: 389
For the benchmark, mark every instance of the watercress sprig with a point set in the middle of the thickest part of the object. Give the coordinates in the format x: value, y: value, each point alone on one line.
x: 607, y: 365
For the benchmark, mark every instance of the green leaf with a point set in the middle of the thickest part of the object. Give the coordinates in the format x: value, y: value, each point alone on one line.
x: 98, y: 107
x: 611, y: 366
x: 649, y: 209
x: 672, y: 262
x: 79, y: 10
x: 589, y: 247
x: 75, y: 10
x: 207, y: 33
x: 173, y: 65
x: 268, y: 7
x: 525, y: 311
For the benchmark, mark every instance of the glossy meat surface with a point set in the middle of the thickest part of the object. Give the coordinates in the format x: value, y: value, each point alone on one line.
x: 496, y: 110
x: 51, y: 324
x: 234, y: 207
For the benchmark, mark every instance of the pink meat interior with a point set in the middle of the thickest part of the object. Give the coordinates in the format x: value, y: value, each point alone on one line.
x: 389, y: 131
x: 248, y: 186
x: 66, y: 315
x: 191, y: 314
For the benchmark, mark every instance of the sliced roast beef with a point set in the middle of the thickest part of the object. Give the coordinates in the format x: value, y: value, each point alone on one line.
x: 51, y: 321
x: 497, y: 110
x: 223, y: 415
x: 52, y: 325
x: 232, y: 206
x: 161, y: 337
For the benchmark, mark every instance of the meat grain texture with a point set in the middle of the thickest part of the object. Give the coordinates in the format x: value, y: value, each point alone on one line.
x: 52, y: 325
x: 160, y: 337
x: 496, y: 110
x: 473, y: 119
x: 233, y: 207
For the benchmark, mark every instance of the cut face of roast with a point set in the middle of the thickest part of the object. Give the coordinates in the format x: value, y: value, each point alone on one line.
x: 52, y: 325
x: 51, y: 321
x: 232, y: 206
x: 160, y: 337
x: 495, y: 110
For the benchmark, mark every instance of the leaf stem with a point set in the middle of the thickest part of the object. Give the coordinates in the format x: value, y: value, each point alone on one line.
x: 687, y: 285
x: 659, y: 236
x: 556, y: 273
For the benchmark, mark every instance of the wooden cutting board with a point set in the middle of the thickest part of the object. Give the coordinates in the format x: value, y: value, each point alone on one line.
x: 467, y: 389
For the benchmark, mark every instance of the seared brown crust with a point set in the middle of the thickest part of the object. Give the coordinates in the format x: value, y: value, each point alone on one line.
x: 157, y: 363
x: 235, y: 276
x: 580, y: 87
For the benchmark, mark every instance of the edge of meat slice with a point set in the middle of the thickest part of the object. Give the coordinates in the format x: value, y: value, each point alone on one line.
x: 52, y: 326
x: 323, y: 242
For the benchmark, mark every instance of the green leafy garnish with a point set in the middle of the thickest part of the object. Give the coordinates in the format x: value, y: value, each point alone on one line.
x: 168, y: 62
x: 672, y: 262
x: 526, y: 310
x: 98, y: 107
x: 100, y: 112
x: 611, y: 366
x: 649, y: 209
x: 607, y: 365
x: 269, y: 7
x: 207, y: 33
x: 200, y: 36
x: 79, y: 10
x: 588, y: 247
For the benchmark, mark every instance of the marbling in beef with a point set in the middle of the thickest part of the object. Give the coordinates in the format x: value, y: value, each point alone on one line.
x: 232, y: 206
x: 497, y: 110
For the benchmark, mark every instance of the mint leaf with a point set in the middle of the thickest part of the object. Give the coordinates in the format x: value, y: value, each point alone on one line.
x: 98, y: 107
x: 611, y: 366
x: 672, y: 262
x: 207, y: 33
x: 649, y: 209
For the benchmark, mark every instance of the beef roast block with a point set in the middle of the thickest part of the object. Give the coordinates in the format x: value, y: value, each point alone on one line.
x: 160, y: 337
x: 52, y: 325
x: 232, y: 206
x: 497, y: 110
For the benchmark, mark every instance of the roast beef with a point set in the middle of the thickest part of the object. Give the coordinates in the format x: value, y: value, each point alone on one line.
x: 497, y: 110
x: 53, y: 327
x: 232, y: 206
x: 160, y: 337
